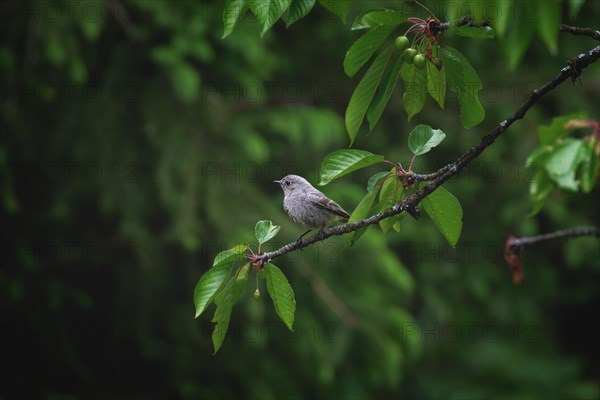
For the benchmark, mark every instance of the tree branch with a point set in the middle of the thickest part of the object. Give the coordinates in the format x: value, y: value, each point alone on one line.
x: 514, y: 247
x: 580, y: 31
x: 572, y: 70
x: 462, y: 21
x: 517, y: 243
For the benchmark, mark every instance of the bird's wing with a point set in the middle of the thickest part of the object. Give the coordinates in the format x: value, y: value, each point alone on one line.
x: 322, y: 201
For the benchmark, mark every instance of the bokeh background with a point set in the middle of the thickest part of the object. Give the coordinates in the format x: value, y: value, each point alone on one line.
x: 136, y: 144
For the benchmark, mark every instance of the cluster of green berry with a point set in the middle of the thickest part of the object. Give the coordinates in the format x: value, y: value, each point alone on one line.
x: 411, y: 55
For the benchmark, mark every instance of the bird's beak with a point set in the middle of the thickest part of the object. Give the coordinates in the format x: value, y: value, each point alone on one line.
x: 277, y: 182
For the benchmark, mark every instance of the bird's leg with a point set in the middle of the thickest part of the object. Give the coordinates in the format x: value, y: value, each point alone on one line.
x: 299, y: 240
x: 320, y: 234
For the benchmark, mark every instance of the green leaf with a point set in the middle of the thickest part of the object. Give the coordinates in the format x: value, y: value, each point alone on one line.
x: 563, y: 162
x: 281, y: 293
x: 363, y: 94
x: 423, y: 138
x: 445, y: 211
x: 481, y: 32
x: 339, y: 8
x: 297, y: 10
x: 415, y: 88
x: 548, y: 15
x: 539, y: 189
x: 575, y: 7
x: 391, y: 192
x: 243, y: 273
x: 518, y: 36
x: 210, y: 283
x: 375, y: 18
x: 225, y: 300
x: 230, y: 255
x: 549, y: 134
x: 388, y: 82
x: 590, y: 166
x: 232, y: 12
x: 208, y: 286
x: 501, y: 16
x: 436, y: 83
x: 268, y: 12
x: 185, y: 80
x: 541, y: 185
x: 342, y: 162
x: 265, y: 231
x: 375, y: 179
x: 464, y: 81
x: 360, y: 212
x: 363, y: 48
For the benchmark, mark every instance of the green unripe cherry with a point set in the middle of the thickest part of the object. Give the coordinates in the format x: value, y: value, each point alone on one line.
x: 402, y: 43
x: 409, y: 55
x: 419, y: 61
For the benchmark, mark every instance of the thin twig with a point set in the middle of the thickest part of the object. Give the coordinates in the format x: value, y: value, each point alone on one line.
x: 520, y: 242
x: 513, y: 247
x: 572, y: 70
x: 580, y: 31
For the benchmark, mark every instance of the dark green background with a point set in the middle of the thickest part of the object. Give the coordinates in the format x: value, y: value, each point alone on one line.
x: 136, y: 144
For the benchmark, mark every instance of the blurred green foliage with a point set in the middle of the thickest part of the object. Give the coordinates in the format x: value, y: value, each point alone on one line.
x: 137, y: 144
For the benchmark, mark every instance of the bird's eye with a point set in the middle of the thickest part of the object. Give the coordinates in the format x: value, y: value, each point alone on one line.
x: 287, y: 183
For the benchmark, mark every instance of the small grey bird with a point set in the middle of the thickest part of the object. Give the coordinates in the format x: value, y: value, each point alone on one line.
x: 307, y: 206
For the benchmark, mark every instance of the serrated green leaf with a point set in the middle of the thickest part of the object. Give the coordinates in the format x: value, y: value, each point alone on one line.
x: 268, y: 12
x: 375, y: 18
x: 539, y: 189
x: 363, y: 48
x: 360, y: 212
x: 210, y: 283
x: 548, y: 20
x: 480, y: 32
x: 363, y: 94
x: 265, y: 231
x: 342, y: 162
x: 445, y: 211
x: 589, y: 167
x: 423, y: 138
x: 281, y: 293
x: 391, y: 222
x: 375, y: 179
x: 537, y: 156
x: 415, y: 89
x: 339, y: 8
x: 232, y: 12
x: 388, y: 82
x: 548, y: 134
x: 563, y: 162
x: 388, y: 188
x: 464, y: 81
x: 391, y: 192
x: 225, y: 300
x: 230, y: 255
x: 243, y: 273
x: 297, y: 10
x: 436, y: 83
x: 208, y: 286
